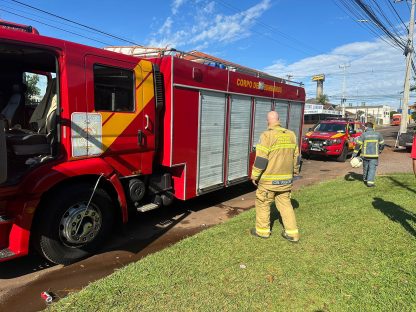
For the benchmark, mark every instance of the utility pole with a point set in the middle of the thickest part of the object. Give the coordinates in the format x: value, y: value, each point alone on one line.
x: 409, y: 54
x: 343, y: 100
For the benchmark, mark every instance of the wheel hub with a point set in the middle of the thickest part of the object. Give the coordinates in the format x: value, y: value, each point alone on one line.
x: 80, y: 225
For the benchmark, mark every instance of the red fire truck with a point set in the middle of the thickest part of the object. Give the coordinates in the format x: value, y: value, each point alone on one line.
x: 112, y: 132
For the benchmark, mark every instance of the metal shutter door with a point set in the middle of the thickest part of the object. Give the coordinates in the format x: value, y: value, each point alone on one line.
x: 211, y: 139
x: 260, y: 118
x: 295, y: 116
x: 282, y: 108
x: 239, y: 137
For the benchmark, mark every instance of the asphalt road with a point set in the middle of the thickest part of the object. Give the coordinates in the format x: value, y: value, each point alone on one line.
x: 22, y: 280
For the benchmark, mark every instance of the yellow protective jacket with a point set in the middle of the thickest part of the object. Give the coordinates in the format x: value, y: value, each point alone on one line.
x: 277, y: 159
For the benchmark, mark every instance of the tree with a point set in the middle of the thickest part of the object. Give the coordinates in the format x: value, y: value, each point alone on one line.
x: 33, y: 90
x: 323, y: 99
x: 391, y: 114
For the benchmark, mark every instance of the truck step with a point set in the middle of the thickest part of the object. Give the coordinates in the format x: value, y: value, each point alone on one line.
x: 6, y: 253
x: 147, y: 207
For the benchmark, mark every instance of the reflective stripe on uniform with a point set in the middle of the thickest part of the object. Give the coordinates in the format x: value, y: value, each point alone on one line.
x: 256, y: 172
x: 282, y: 177
x: 262, y: 148
x: 263, y: 232
x: 282, y: 145
x: 292, y: 231
x: 370, y: 182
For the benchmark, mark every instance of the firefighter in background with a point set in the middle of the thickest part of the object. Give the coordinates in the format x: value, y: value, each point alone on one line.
x: 277, y: 157
x: 371, y: 144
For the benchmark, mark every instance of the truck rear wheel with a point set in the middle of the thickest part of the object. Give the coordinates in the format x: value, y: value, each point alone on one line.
x: 343, y: 156
x: 66, y: 231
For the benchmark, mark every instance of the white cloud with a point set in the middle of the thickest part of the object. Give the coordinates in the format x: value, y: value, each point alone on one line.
x: 166, y: 27
x: 176, y: 4
x: 205, y: 27
x: 375, y: 75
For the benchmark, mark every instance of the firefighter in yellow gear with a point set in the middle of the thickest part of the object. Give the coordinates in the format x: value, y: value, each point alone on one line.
x: 277, y: 160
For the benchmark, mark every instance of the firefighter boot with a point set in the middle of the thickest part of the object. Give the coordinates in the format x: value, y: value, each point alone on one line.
x: 287, y: 213
x: 264, y: 199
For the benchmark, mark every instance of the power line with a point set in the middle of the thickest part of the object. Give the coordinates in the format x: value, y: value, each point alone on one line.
x: 49, y: 25
x: 45, y: 18
x: 76, y: 23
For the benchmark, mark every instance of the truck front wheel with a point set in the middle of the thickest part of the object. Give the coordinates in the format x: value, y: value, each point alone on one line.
x: 343, y: 156
x: 67, y: 230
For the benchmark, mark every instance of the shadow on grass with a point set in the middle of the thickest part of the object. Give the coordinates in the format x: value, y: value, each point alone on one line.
x: 401, y: 184
x: 396, y: 214
x: 352, y: 176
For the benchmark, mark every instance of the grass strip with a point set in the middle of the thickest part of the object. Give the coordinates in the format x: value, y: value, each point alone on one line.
x: 357, y: 253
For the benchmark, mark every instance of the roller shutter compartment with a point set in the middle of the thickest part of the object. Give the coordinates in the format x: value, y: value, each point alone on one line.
x: 262, y: 107
x: 211, y: 140
x: 239, y: 137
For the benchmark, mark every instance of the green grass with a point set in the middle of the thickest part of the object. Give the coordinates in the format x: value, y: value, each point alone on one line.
x: 357, y: 253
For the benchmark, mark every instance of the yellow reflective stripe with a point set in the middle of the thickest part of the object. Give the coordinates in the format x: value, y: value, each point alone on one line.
x: 282, y: 145
x: 262, y: 230
x: 271, y: 177
x: 359, y: 141
x: 256, y: 172
x: 371, y: 141
x: 292, y: 231
x: 370, y: 182
x: 262, y: 148
x: 381, y: 142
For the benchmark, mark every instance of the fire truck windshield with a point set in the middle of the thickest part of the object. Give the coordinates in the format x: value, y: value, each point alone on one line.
x: 330, y: 127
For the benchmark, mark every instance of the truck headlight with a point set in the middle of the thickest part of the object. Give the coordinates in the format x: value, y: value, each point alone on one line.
x: 333, y: 141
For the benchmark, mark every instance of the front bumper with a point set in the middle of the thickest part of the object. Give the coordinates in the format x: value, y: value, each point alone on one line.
x: 324, y: 150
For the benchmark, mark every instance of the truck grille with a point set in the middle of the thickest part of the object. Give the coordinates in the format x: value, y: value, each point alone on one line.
x: 316, y: 141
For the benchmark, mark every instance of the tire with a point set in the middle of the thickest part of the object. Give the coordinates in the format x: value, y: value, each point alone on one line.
x: 343, y: 156
x: 55, y: 235
x: 306, y: 155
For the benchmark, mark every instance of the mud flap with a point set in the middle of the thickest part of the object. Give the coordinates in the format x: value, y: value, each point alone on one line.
x: 3, y: 153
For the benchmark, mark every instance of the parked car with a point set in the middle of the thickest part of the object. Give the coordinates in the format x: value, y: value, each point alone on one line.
x: 333, y: 138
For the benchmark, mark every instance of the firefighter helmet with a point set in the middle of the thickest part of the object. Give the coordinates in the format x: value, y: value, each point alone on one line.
x: 356, y: 162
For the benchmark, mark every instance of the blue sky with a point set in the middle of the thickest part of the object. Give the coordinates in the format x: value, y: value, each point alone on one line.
x: 282, y: 37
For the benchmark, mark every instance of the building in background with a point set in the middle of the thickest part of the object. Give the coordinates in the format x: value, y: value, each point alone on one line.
x: 378, y: 114
x: 315, y: 111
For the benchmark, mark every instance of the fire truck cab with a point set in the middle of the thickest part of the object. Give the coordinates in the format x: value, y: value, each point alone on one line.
x: 86, y: 134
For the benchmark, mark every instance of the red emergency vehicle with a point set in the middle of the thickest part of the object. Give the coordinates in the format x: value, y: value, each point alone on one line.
x: 396, y: 119
x: 114, y: 131
x: 334, y: 137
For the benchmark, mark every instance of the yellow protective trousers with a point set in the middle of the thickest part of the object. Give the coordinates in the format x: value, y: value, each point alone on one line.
x: 264, y: 199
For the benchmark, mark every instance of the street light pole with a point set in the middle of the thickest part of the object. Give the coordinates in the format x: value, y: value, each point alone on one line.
x: 343, y: 100
x: 409, y: 54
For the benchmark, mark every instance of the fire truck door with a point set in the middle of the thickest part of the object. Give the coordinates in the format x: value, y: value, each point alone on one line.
x: 117, y: 93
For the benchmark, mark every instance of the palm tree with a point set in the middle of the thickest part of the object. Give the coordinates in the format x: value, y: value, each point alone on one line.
x: 323, y: 99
